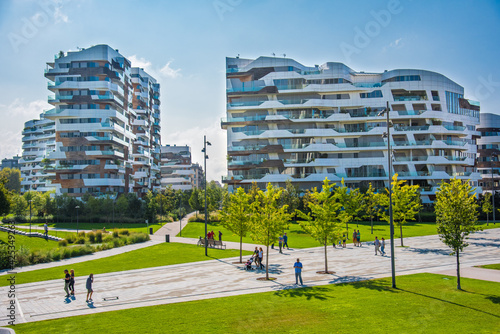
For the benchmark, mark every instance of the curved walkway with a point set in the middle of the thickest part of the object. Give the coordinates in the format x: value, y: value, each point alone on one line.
x: 218, y: 278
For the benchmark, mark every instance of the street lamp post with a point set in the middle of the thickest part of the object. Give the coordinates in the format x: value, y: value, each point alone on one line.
x: 391, y: 222
x: 30, y: 215
x: 205, y: 157
x: 77, y: 207
x: 180, y: 217
x: 493, y: 186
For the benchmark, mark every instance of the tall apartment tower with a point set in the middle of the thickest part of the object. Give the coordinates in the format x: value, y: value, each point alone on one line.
x: 290, y: 121
x: 39, y: 139
x: 95, y: 113
x: 488, y: 151
x: 177, y: 170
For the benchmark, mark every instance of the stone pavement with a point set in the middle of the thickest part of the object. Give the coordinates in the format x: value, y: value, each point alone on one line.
x: 218, y: 278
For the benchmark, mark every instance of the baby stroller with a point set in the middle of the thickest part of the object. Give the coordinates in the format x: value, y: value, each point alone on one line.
x: 248, y: 264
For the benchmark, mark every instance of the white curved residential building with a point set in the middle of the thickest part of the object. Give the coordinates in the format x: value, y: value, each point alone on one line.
x: 289, y: 121
x: 488, y: 149
x: 39, y: 139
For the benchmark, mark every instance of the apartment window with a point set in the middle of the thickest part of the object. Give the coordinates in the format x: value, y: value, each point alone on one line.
x: 374, y: 94
x: 403, y: 78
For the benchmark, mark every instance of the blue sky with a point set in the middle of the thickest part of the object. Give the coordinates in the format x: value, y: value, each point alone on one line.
x: 184, y: 44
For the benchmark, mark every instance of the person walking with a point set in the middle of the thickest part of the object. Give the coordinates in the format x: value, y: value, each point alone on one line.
x: 255, y: 256
x: 46, y: 230
x: 382, y: 248
x: 90, y: 280
x: 67, y: 277
x: 354, y: 238
x: 377, y: 245
x: 72, y: 282
x: 280, y: 241
x: 343, y: 240
x: 285, y: 241
x: 298, y: 272
x: 220, y: 236
x: 358, y: 238
x: 261, y: 256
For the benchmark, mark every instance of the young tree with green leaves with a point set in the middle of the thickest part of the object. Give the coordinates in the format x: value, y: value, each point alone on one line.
x: 405, y: 203
x: 487, y: 206
x: 269, y: 219
x: 456, y: 216
x: 236, y: 215
x: 325, y: 220
x: 4, y: 201
x: 18, y: 205
x: 290, y: 197
x: 371, y: 204
x: 352, y: 203
x: 11, y: 178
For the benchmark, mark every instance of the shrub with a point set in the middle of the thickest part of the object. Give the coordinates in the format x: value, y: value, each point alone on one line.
x: 115, y: 234
x: 56, y: 254
x: 22, y: 257
x: 63, y: 243
x: 116, y: 242
x: 98, y: 236
x: 80, y: 241
x: 214, y: 216
x: 91, y: 236
x: 124, y: 232
x: 71, y: 239
x: 107, y: 238
x: 45, y: 256
x: 81, y: 234
x: 66, y: 253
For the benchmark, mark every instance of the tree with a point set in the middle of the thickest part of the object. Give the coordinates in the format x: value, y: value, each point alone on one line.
x: 194, y: 200
x: 4, y: 201
x: 371, y: 204
x: 121, y: 205
x: 487, y: 207
x: 456, y: 216
x: 290, y: 197
x: 18, y: 205
x: 151, y: 206
x: 405, y: 203
x: 325, y: 219
x: 236, y: 215
x: 269, y: 219
x: 352, y: 203
x: 11, y: 179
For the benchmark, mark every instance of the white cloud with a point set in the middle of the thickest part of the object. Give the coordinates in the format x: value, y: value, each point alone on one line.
x: 397, y: 43
x: 59, y: 16
x: 170, y: 72
x: 193, y: 137
x: 140, y: 62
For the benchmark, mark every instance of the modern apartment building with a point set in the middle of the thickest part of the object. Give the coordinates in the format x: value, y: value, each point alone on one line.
x: 39, y: 139
x: 177, y: 169
x: 104, y: 114
x: 488, y: 151
x: 10, y: 163
x: 290, y: 121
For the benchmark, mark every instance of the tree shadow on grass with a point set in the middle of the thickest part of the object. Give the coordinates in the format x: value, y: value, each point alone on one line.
x: 317, y: 292
x: 363, y: 283
x: 494, y: 299
x: 429, y: 251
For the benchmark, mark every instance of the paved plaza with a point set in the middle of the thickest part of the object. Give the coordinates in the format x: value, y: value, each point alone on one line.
x: 218, y: 278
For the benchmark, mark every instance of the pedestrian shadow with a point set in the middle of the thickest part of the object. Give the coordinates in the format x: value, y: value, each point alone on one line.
x: 488, y: 239
x: 275, y: 269
x: 484, y: 244
x: 494, y: 299
x: 67, y: 300
x: 317, y: 292
x: 91, y: 305
x: 435, y: 251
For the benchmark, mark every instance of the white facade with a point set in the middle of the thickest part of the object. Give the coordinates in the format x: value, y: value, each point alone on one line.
x: 39, y: 139
x: 488, y: 148
x: 177, y: 170
x: 288, y: 121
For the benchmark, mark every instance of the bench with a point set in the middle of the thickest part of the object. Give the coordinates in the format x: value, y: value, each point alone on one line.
x: 218, y: 243
x: 211, y: 243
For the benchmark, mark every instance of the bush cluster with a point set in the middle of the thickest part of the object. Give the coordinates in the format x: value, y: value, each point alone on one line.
x: 200, y: 218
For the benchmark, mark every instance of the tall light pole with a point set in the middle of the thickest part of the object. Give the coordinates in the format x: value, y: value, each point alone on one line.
x: 391, y: 222
x: 180, y: 216
x: 77, y: 207
x: 205, y: 157
x: 493, y: 186
x: 30, y: 213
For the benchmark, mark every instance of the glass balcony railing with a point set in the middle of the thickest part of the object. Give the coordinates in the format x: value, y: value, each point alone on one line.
x: 454, y: 127
x: 245, y: 104
x: 246, y: 148
x: 293, y: 101
x: 411, y: 128
x: 411, y: 112
x: 367, y: 84
x: 410, y: 98
x: 371, y: 144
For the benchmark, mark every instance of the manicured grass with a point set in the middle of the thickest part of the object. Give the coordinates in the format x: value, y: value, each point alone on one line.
x: 492, y: 266
x: 297, y: 238
x: 423, y: 303
x: 99, y: 226
x: 153, y: 256
x: 55, y: 233
x: 29, y: 242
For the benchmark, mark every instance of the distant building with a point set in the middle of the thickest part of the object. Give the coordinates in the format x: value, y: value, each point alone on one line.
x: 10, y: 163
x: 177, y: 170
x: 488, y: 151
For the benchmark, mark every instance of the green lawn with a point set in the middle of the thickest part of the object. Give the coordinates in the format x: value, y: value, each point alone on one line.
x: 55, y: 233
x: 30, y: 242
x: 492, y: 266
x: 153, y: 256
x: 98, y: 226
x: 423, y: 303
x: 297, y: 238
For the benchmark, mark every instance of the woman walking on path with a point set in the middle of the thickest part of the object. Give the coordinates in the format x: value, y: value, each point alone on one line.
x: 382, y: 246
x: 90, y: 280
x: 358, y: 238
x: 72, y: 282
x: 261, y: 256
x: 354, y: 238
x: 67, y: 277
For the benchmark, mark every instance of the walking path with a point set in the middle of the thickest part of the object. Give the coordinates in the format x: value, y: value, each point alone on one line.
x: 219, y: 278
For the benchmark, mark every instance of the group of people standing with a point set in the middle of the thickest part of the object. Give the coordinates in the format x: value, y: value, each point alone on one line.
x: 379, y: 246
x: 211, y: 235
x: 258, y: 255
x: 282, y: 242
x: 69, y: 284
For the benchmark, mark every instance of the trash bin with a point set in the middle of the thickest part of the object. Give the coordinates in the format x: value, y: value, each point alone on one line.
x: 167, y: 237
x: 150, y: 230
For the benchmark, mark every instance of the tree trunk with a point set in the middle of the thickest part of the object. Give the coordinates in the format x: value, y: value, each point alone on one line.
x: 241, y: 252
x: 458, y: 270
x: 487, y: 219
x: 371, y: 222
x: 326, y: 260
x: 347, y: 228
x: 267, y: 262
x: 401, y: 233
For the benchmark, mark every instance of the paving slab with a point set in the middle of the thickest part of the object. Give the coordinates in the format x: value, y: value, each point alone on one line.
x: 219, y: 278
